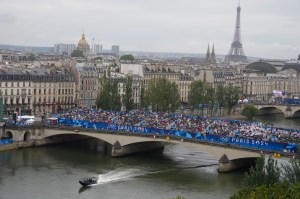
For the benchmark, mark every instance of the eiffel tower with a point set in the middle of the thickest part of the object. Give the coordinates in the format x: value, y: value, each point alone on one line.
x: 236, y: 52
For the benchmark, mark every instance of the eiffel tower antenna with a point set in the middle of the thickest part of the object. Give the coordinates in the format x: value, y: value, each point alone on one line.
x: 236, y: 52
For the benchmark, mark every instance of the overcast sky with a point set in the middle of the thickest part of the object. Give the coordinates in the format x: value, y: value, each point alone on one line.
x: 269, y: 28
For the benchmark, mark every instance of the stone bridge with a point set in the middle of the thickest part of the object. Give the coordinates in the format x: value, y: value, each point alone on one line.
x: 289, y: 111
x: 125, y: 143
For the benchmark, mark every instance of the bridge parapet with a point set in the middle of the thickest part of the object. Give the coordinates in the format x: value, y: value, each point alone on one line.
x: 289, y: 111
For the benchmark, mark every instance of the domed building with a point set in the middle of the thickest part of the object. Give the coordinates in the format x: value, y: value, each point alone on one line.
x: 83, y: 45
x: 261, y: 67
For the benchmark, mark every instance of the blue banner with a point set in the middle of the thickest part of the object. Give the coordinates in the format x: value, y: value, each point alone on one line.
x: 6, y: 141
x: 240, y: 141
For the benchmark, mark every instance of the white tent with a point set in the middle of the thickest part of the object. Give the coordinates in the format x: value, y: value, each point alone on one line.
x: 30, y: 121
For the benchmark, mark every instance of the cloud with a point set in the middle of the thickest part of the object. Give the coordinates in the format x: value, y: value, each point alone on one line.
x: 156, y: 25
x: 7, y: 18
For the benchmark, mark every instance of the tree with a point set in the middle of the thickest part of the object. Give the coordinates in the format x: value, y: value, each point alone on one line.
x: 262, y: 174
x: 220, y: 96
x: 174, y: 101
x: 108, y: 97
x: 231, y: 97
x: 144, y: 101
x: 280, y: 190
x: 249, y: 111
x: 77, y: 53
x: 127, y: 97
x: 161, y: 93
x: 196, y: 95
x: 127, y: 57
x: 292, y: 170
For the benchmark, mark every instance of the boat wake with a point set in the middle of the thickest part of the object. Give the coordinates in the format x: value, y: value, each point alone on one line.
x: 118, y: 175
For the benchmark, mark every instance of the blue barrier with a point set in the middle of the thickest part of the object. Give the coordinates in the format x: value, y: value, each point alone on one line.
x: 240, y: 141
x: 6, y: 141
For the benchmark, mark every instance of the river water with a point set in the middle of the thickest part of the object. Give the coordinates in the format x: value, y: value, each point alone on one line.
x: 52, y: 172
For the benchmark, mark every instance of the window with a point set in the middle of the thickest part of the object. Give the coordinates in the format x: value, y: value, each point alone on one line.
x: 23, y: 91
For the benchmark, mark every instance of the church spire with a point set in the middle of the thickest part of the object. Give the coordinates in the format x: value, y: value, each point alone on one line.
x: 213, y: 55
x: 208, y: 56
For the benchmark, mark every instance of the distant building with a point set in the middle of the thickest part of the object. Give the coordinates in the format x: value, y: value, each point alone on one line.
x: 87, y: 81
x: 136, y: 69
x: 115, y: 50
x: 83, y: 45
x: 64, y: 49
x: 97, y: 49
x: 210, y: 56
x: 37, y: 91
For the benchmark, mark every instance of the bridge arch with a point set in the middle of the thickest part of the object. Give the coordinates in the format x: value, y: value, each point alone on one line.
x: 9, y: 134
x: 26, y: 136
x: 296, y: 114
x: 267, y: 110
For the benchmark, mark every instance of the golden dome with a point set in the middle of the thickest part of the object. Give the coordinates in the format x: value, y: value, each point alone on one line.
x: 83, y: 41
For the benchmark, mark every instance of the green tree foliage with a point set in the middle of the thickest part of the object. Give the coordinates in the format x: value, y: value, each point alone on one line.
x: 249, y: 111
x: 127, y: 97
x: 77, y: 53
x: 280, y: 190
x: 220, y: 96
x: 144, y: 102
x: 201, y: 93
x: 108, y: 98
x: 292, y: 170
x: 262, y: 174
x: 197, y: 93
x: 128, y: 57
x: 231, y: 97
x: 256, y: 174
x: 259, y: 179
x: 174, y: 101
x: 162, y: 95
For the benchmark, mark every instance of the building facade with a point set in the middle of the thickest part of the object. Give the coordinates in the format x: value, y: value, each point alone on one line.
x: 37, y: 91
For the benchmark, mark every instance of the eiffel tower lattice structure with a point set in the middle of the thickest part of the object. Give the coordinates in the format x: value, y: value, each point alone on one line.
x: 236, y: 52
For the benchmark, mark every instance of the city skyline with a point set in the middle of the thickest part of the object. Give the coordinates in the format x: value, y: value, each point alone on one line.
x: 269, y: 28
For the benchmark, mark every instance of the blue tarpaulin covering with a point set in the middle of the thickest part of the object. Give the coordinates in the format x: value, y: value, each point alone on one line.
x: 6, y: 141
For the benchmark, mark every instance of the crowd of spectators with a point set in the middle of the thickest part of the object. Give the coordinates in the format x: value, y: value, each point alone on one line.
x: 161, y: 120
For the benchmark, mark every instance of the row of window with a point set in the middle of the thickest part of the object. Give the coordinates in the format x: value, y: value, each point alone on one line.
x: 28, y: 84
x: 60, y: 91
x: 37, y: 78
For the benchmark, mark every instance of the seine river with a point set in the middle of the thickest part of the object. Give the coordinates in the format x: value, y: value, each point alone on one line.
x: 52, y: 172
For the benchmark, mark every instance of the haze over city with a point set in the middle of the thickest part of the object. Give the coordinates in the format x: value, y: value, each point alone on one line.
x: 269, y: 28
